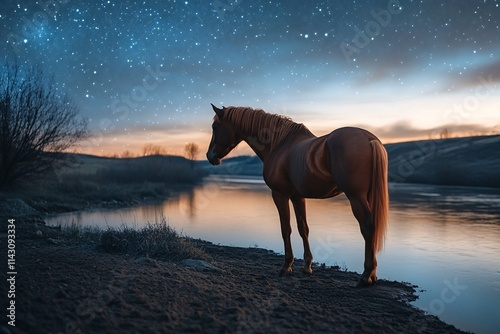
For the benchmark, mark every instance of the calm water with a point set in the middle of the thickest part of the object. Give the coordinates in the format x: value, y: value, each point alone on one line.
x: 446, y: 240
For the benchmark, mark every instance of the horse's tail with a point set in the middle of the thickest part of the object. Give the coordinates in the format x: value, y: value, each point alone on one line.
x: 379, y: 194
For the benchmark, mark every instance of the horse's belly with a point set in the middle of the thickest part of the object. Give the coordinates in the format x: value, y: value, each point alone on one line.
x: 311, y: 186
x: 309, y: 170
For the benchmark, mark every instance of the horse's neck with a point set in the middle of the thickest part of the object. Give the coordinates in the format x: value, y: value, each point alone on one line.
x: 262, y: 144
x: 261, y: 149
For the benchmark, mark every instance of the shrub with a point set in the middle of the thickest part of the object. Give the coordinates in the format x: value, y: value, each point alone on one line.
x: 156, y: 240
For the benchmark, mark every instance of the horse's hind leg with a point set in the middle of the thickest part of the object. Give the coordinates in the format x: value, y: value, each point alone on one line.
x: 299, y: 206
x: 283, y: 207
x: 362, y: 213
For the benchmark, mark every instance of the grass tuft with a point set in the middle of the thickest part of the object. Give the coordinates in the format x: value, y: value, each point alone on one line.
x: 78, y: 234
x: 157, y: 240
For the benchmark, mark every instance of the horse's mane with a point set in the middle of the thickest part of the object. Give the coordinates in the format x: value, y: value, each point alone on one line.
x: 268, y: 128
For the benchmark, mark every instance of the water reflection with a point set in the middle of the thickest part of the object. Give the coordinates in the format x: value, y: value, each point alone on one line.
x: 477, y: 203
x: 444, y: 239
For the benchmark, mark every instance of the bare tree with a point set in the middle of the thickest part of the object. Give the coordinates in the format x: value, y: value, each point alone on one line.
x: 192, y: 151
x: 126, y: 154
x: 151, y: 149
x: 444, y: 134
x: 36, y: 123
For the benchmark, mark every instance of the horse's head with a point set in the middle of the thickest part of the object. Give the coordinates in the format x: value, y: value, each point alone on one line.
x: 224, y: 137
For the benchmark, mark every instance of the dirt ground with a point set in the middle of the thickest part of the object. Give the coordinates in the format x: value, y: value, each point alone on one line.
x: 63, y: 287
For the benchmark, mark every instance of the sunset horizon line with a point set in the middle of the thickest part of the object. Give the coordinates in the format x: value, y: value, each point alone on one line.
x: 135, y: 150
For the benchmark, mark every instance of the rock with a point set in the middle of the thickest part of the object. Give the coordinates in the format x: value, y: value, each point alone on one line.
x: 201, y: 265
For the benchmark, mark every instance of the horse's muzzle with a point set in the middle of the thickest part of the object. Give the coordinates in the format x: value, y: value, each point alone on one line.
x: 213, y: 159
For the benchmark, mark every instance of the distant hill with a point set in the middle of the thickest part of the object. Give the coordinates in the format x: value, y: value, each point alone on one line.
x: 89, y: 164
x: 153, y: 168
x: 471, y: 161
x: 242, y: 165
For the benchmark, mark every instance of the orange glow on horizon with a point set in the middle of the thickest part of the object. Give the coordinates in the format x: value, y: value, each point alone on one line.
x: 132, y: 146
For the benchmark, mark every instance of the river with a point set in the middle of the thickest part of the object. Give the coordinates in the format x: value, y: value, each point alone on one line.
x: 446, y: 240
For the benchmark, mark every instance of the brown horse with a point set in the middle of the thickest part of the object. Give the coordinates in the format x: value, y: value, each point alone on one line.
x: 299, y: 165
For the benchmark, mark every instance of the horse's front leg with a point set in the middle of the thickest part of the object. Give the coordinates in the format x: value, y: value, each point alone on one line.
x: 283, y: 207
x: 299, y: 206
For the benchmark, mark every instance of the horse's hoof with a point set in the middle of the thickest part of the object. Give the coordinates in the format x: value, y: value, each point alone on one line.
x: 364, y: 283
x: 307, y: 271
x: 285, y: 272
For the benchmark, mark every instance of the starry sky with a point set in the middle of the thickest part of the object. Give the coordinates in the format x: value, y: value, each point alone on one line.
x: 146, y: 71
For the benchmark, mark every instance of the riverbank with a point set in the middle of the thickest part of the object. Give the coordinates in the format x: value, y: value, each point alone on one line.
x: 71, y: 281
x: 49, y: 201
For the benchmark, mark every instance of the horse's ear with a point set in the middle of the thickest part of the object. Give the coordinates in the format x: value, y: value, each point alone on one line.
x: 219, y: 112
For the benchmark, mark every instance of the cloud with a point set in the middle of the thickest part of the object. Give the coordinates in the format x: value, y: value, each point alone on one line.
x: 405, y: 131
x: 485, y: 75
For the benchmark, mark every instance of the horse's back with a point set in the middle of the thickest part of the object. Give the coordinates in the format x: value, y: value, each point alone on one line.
x: 350, y: 136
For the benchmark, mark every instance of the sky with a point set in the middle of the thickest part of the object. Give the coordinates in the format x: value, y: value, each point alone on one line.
x: 145, y: 72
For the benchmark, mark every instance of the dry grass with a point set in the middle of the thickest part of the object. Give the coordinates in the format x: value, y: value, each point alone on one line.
x: 155, y: 240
